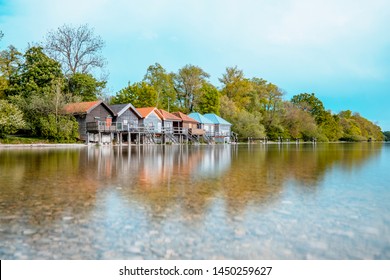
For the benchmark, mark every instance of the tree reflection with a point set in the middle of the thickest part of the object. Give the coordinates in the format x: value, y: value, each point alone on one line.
x: 40, y: 186
x: 192, y: 177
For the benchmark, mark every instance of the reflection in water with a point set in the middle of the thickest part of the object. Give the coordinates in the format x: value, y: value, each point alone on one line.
x: 195, y: 202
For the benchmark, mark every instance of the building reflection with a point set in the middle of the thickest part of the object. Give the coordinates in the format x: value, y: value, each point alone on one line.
x: 44, y: 185
x: 80, y: 201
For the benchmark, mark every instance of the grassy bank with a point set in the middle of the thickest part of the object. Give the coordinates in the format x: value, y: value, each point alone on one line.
x: 16, y: 139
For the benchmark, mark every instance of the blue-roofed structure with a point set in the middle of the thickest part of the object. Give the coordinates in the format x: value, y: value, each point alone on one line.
x: 222, y: 128
x: 203, y: 123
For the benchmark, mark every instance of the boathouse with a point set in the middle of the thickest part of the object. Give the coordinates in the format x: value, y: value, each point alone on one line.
x: 222, y: 128
x: 203, y: 123
x: 95, y: 119
x: 128, y: 120
x: 186, y: 121
x: 127, y: 115
x: 151, y: 119
x: 170, y: 121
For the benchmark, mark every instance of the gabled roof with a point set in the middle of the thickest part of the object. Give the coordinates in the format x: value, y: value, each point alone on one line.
x: 200, y: 118
x: 119, y: 109
x: 166, y: 116
x: 216, y: 119
x: 184, y: 117
x: 145, y: 112
x: 85, y: 107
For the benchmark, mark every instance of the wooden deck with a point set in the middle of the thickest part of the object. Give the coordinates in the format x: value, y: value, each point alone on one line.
x: 119, y: 132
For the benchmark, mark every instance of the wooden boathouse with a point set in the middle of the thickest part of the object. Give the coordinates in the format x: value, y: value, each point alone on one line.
x: 104, y: 124
x: 95, y: 119
x: 222, y: 128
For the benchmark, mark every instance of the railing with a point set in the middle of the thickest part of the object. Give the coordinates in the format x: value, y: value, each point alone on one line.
x: 101, y: 126
x: 197, y: 131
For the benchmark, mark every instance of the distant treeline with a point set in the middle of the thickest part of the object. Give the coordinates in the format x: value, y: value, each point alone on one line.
x: 35, y: 86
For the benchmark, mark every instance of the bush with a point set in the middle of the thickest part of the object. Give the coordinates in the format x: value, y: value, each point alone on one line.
x: 60, y: 128
x: 11, y: 118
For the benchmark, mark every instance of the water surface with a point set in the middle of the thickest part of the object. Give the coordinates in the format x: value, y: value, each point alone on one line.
x: 324, y: 201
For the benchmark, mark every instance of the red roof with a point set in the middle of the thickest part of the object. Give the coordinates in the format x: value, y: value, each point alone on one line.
x: 184, y: 117
x: 168, y: 116
x: 144, y: 112
x: 82, y: 107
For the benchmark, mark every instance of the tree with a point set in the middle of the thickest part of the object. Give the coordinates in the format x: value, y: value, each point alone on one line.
x: 188, y: 83
x: 76, y: 48
x: 244, y: 123
x: 310, y: 103
x: 10, y: 64
x: 11, y: 118
x: 85, y: 86
x: 357, y: 128
x: 138, y: 94
x: 236, y: 87
x: 232, y: 76
x: 299, y: 124
x: 37, y: 73
x: 209, y: 100
x: 330, y: 128
x: 43, y: 112
x: 157, y: 77
x: 272, y: 110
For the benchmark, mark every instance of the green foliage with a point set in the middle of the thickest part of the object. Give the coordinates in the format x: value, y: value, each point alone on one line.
x: 298, y: 124
x: 188, y: 84
x: 35, y: 83
x: 272, y: 109
x: 139, y: 94
x: 236, y: 87
x: 244, y: 123
x: 310, y: 103
x: 329, y: 128
x: 209, y: 100
x: 22, y: 139
x: 256, y: 97
x: 386, y: 135
x: 58, y: 128
x: 36, y: 73
x: 43, y: 113
x: 85, y: 86
x: 10, y: 63
x: 11, y: 118
x: 357, y: 128
x: 163, y: 83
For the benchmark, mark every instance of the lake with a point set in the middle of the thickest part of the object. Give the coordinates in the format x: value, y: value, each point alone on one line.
x: 274, y: 201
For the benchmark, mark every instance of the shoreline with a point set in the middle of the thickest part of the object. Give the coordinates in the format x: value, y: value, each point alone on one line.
x: 78, y: 145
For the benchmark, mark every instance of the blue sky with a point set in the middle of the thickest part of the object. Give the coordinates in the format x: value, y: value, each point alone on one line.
x: 339, y: 50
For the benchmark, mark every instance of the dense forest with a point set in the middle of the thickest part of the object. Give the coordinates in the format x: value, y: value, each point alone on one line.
x: 35, y: 86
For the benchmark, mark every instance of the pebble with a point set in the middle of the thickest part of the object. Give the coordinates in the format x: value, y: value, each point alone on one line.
x: 29, y: 232
x: 135, y: 250
x: 169, y: 253
x: 287, y: 202
x: 67, y: 218
x: 240, y: 232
